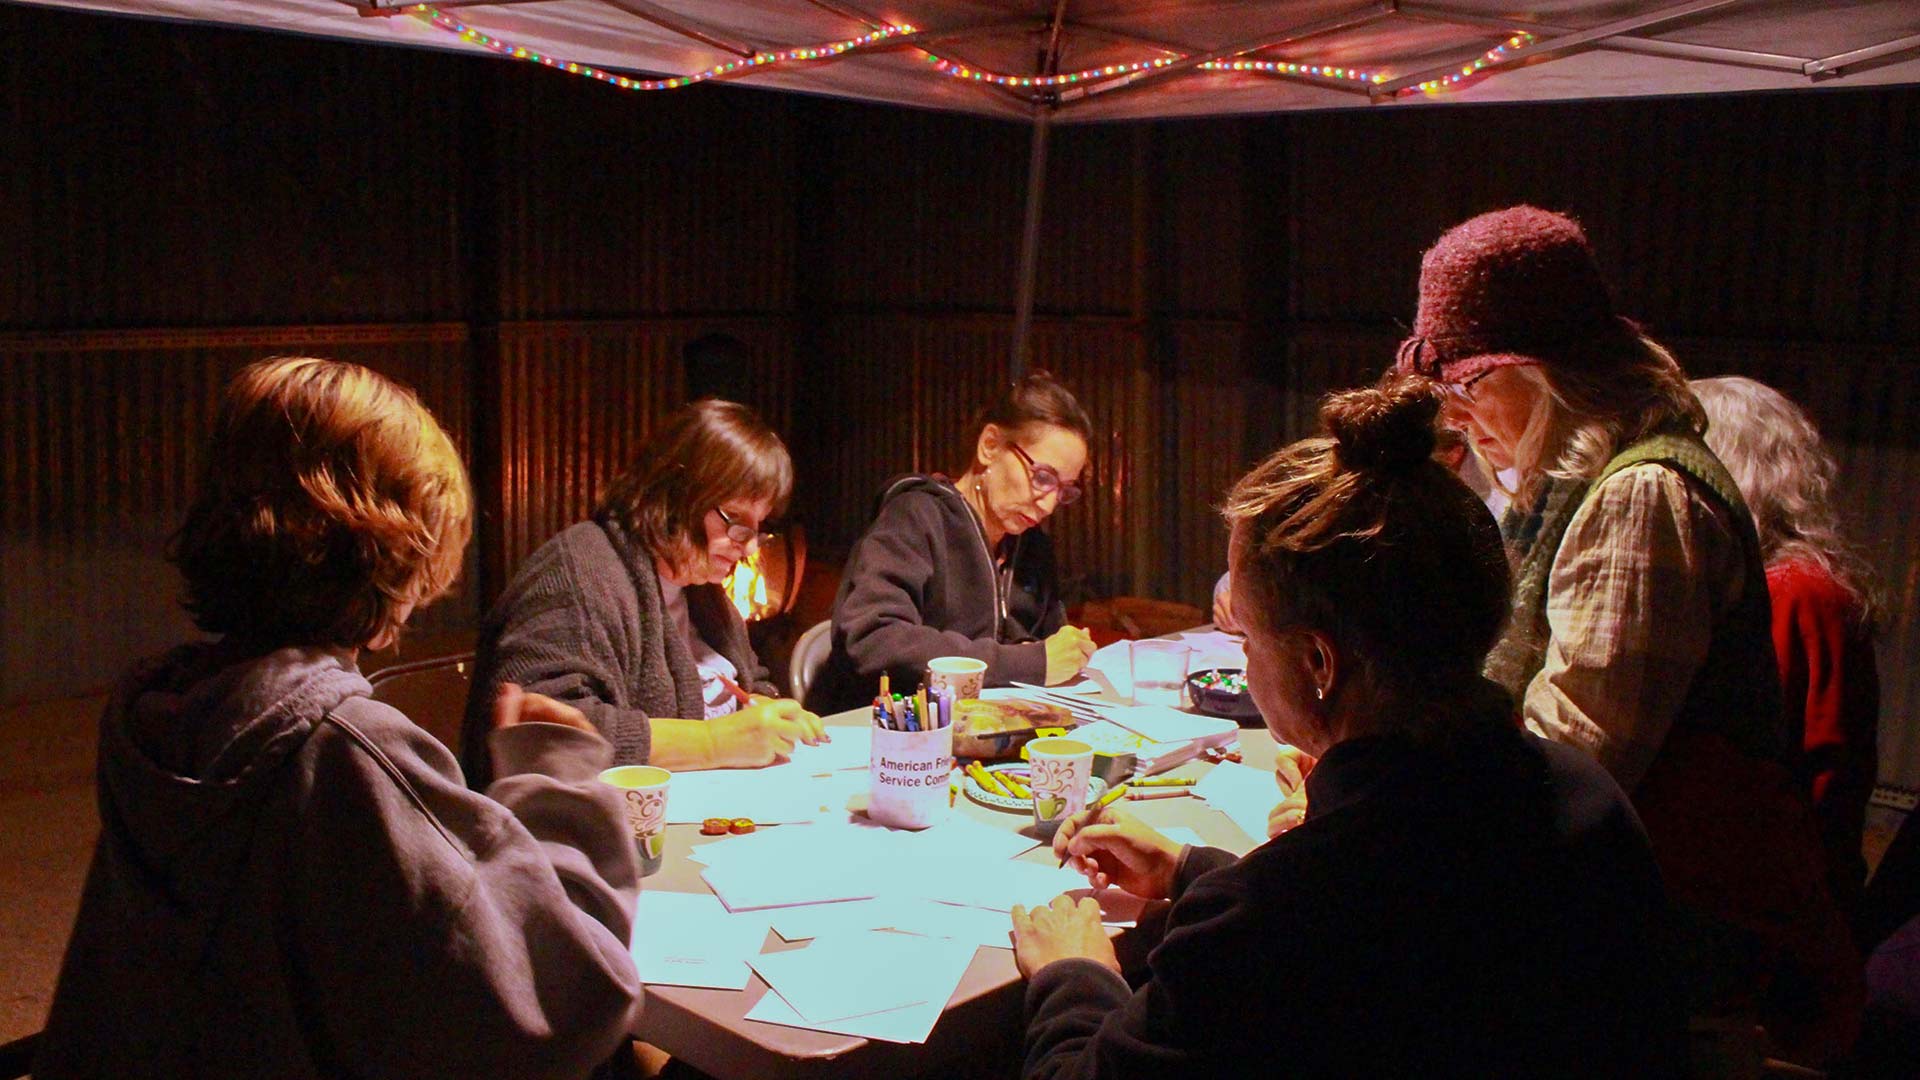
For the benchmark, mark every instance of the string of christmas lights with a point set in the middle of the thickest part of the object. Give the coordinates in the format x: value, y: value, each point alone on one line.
x: 440, y: 20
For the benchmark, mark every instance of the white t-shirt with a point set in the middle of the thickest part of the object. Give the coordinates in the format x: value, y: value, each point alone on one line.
x: 712, y: 666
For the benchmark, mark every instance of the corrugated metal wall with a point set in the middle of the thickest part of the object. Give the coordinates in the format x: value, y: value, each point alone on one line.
x: 102, y: 439
x: 1201, y: 284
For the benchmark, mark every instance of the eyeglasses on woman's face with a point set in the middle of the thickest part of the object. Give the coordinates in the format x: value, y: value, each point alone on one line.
x: 1462, y: 392
x: 1044, y: 478
x: 737, y: 531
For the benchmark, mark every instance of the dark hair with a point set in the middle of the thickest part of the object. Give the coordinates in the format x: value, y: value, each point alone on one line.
x: 329, y: 501
x: 704, y: 454
x: 1035, y: 398
x: 1362, y: 535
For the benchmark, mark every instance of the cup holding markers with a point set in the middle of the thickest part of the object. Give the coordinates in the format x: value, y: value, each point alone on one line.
x: 963, y: 673
x: 643, y: 793
x: 1058, y: 773
x: 910, y: 771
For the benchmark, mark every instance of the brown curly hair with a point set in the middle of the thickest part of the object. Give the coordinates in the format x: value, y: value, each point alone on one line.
x: 330, y: 504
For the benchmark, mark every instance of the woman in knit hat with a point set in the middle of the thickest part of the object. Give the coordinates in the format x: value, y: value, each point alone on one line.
x: 1639, y: 628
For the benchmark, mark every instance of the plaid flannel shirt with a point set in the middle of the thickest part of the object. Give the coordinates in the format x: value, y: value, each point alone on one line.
x: 1647, y: 569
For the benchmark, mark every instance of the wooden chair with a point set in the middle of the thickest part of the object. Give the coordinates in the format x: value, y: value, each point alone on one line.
x: 1130, y: 618
x: 432, y: 692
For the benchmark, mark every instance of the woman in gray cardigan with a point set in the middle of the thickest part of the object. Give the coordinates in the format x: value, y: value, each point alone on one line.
x: 623, y: 618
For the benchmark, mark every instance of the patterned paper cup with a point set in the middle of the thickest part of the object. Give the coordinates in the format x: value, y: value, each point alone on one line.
x: 965, y: 674
x: 1058, y: 773
x: 643, y: 789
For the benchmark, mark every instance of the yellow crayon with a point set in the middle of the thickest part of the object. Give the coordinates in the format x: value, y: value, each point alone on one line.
x: 1165, y: 781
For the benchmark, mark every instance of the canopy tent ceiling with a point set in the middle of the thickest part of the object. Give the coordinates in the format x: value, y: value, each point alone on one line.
x: 1131, y: 59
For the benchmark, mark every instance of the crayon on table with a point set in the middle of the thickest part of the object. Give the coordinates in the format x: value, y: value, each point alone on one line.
x: 1163, y: 793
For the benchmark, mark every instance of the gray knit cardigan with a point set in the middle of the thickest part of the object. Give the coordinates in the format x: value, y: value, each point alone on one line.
x: 583, y: 621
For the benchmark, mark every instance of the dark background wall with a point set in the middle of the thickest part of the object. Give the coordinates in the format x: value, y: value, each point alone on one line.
x: 532, y: 251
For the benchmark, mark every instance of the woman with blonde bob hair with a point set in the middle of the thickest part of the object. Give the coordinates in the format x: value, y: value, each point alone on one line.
x: 1639, y: 624
x: 293, y: 880
x: 1823, y: 609
x: 623, y: 616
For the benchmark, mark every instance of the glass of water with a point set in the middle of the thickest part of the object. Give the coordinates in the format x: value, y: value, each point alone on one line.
x: 1159, y: 672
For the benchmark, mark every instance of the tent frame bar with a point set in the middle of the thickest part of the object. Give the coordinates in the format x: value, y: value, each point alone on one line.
x: 1629, y: 43
x: 1831, y: 66
x: 1029, y: 270
x: 670, y: 21
x: 1554, y: 46
x: 1361, y: 16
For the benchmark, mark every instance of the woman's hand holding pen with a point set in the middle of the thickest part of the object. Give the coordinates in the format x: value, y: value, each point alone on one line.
x: 1115, y: 848
x: 1068, y: 651
x: 763, y: 732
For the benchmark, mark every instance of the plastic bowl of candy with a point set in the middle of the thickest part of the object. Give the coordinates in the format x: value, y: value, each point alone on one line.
x: 1222, y: 692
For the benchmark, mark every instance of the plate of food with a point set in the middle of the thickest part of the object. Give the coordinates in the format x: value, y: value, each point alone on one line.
x: 1001, y: 795
x: 1222, y: 692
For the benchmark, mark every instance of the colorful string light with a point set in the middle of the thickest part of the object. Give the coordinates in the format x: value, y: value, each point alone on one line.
x: 437, y: 18
x: 1498, y: 52
x: 440, y: 20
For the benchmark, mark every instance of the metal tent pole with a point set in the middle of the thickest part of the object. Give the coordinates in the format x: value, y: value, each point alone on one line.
x: 1030, y: 240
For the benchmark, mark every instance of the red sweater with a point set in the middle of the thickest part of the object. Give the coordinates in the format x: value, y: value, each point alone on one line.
x: 1832, y: 704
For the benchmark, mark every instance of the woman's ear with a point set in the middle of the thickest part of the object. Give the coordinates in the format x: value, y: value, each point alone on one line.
x: 1323, y: 664
x: 988, y: 446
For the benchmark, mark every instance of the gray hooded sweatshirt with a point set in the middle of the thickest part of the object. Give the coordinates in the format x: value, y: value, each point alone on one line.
x: 293, y: 880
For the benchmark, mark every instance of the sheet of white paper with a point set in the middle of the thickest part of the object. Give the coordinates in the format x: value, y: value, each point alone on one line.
x: 907, y: 915
x: 690, y: 939
x: 997, y: 884
x: 851, y: 748
x: 1243, y: 793
x: 1115, y: 661
x: 825, y: 920
x: 845, y: 975
x: 768, y: 796
x: 910, y: 1024
x: 962, y: 837
x: 1162, y: 723
x: 1214, y: 648
x: 783, y: 878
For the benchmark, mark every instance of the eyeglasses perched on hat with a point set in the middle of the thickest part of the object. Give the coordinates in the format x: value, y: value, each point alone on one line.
x: 1045, y: 478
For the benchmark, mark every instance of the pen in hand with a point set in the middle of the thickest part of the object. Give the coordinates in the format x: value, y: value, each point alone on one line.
x: 1092, y: 813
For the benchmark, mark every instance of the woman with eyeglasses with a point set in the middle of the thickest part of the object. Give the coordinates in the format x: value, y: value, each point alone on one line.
x: 1640, y: 628
x: 958, y: 566
x: 623, y: 617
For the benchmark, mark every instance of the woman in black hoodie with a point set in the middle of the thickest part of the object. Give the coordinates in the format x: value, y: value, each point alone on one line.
x: 959, y: 567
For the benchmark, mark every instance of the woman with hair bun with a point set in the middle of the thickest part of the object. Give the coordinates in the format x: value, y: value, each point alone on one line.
x: 1462, y: 898
x: 1823, y: 609
x: 960, y: 566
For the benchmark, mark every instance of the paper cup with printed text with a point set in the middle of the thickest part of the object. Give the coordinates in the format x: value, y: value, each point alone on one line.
x: 643, y: 793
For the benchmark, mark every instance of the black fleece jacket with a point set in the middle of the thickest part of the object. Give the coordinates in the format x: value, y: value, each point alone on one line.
x: 920, y: 584
x: 1487, y: 908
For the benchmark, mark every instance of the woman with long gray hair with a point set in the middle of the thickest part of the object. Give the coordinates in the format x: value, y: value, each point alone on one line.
x: 1823, y: 608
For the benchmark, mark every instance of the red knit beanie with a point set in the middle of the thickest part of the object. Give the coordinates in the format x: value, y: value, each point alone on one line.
x: 1514, y: 286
